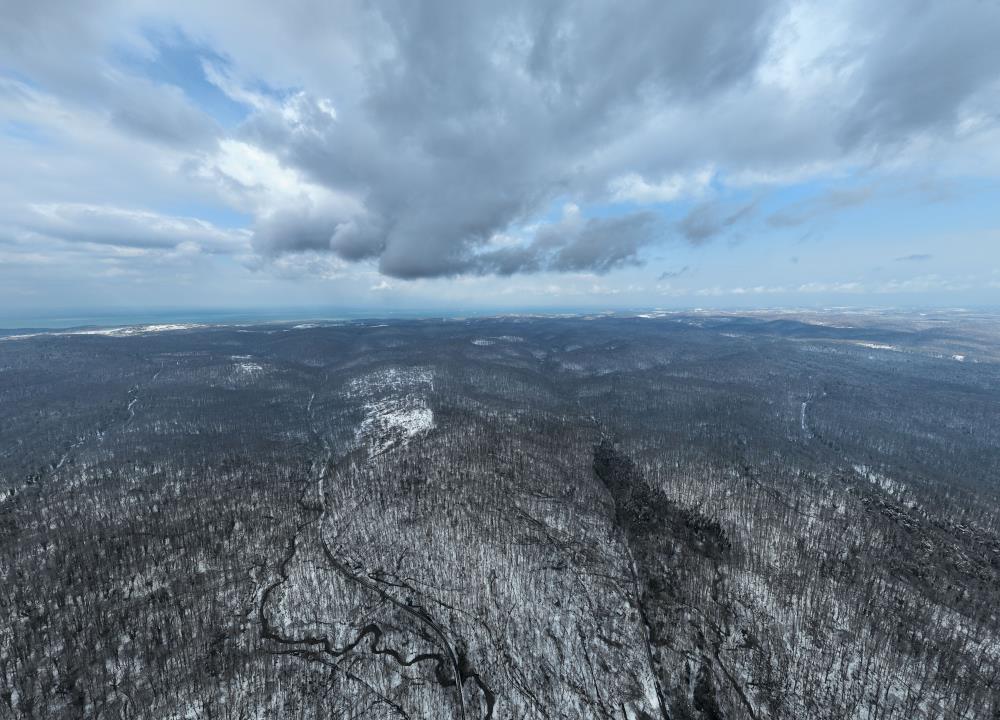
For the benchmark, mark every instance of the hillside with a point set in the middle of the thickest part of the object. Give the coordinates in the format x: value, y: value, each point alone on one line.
x: 671, y: 516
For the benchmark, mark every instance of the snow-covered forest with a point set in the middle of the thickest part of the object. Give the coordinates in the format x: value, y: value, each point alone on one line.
x: 664, y: 516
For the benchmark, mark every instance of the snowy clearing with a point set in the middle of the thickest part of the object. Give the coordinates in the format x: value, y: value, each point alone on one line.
x: 395, y: 406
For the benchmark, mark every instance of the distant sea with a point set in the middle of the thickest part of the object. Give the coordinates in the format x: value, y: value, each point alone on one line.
x: 115, y: 318
x: 58, y: 320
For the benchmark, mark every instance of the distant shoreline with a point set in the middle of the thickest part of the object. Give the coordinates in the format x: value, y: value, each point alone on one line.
x: 98, y: 322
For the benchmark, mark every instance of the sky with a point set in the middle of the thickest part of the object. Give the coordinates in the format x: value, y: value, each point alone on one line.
x: 407, y: 154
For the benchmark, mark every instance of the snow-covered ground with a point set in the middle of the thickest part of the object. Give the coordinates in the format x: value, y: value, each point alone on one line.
x: 139, y: 329
x: 893, y: 487
x: 395, y: 405
x: 393, y: 422
x: 877, y: 346
x: 127, y: 331
x: 390, y: 380
x: 485, y: 342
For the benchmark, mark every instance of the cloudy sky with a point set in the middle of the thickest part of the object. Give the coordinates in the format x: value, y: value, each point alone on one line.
x: 407, y: 154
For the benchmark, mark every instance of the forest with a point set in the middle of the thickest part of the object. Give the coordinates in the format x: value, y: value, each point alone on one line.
x: 676, y: 516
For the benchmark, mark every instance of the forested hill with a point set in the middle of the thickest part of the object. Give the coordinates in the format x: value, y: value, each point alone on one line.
x: 667, y: 516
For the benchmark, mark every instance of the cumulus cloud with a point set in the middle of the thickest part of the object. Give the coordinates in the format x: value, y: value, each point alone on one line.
x: 433, y: 139
x: 474, y: 120
x: 574, y: 244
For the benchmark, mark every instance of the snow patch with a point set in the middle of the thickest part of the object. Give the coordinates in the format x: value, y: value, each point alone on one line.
x: 391, y: 421
x: 878, y: 346
x: 395, y: 406
x: 484, y: 342
x: 881, y: 481
x: 394, y: 422
x: 128, y: 331
x: 134, y: 330
x: 390, y: 380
